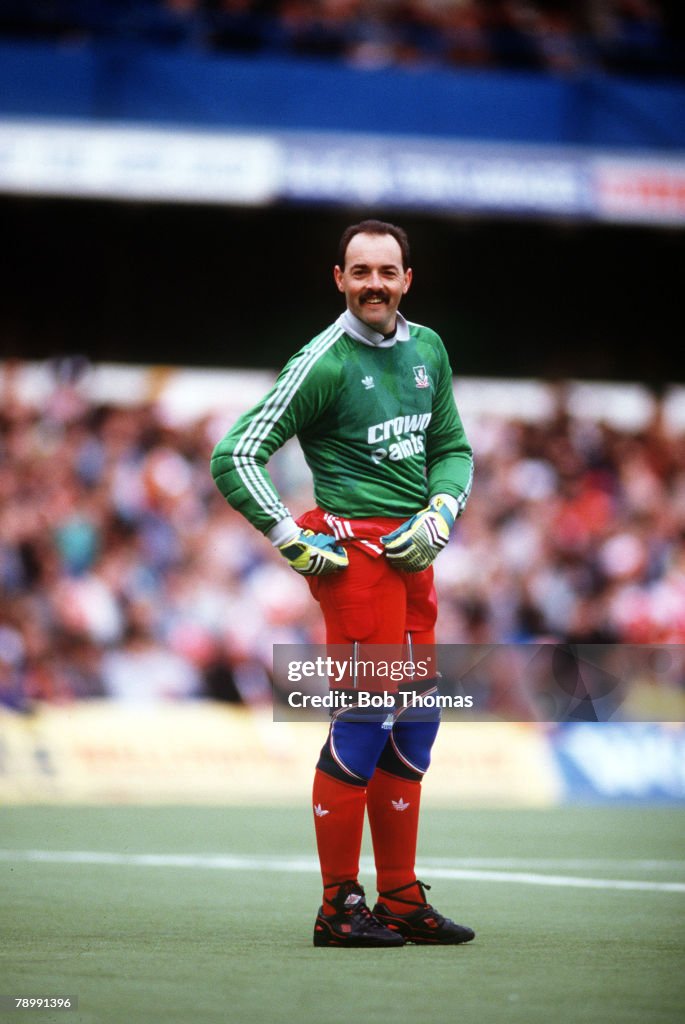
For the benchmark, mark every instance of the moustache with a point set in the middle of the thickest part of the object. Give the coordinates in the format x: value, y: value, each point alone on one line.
x: 374, y: 294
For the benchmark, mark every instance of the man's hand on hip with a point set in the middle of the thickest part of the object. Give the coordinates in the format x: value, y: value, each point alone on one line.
x: 314, y: 554
x: 415, y: 545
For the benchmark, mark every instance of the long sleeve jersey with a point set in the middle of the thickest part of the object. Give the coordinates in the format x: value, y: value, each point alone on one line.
x: 377, y: 423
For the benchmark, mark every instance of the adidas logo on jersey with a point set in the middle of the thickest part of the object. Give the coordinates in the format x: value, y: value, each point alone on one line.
x: 368, y: 382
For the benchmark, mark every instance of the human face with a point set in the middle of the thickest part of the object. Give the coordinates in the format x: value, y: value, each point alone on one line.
x: 373, y: 280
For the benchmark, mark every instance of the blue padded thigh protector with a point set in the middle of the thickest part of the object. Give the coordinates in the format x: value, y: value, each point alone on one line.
x: 354, y: 749
x: 408, y: 753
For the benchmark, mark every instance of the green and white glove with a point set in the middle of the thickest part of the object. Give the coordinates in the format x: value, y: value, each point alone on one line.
x: 314, y: 554
x: 415, y: 545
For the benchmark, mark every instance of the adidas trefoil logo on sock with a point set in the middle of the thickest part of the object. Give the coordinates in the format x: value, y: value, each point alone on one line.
x: 400, y: 805
x: 320, y: 812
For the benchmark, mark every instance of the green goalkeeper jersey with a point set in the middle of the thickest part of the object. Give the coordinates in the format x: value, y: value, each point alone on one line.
x: 376, y: 420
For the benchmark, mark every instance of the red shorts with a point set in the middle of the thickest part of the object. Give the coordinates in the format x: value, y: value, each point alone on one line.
x: 369, y: 601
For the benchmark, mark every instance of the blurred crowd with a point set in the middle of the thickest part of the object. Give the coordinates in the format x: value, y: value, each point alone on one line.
x: 123, y: 572
x: 633, y: 37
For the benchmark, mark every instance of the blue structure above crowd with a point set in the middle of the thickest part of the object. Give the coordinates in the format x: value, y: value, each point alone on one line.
x: 494, y: 70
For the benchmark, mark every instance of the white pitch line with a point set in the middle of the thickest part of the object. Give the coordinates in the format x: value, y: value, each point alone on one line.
x: 567, y: 863
x: 561, y: 881
x: 308, y: 865
x: 221, y: 862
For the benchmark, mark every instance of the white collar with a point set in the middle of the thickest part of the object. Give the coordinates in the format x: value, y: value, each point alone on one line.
x: 360, y: 331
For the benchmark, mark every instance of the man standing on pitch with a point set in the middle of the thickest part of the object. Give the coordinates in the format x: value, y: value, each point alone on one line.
x: 370, y: 400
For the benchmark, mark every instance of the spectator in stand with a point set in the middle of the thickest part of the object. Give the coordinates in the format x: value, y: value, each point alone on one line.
x: 114, y: 544
x: 629, y: 37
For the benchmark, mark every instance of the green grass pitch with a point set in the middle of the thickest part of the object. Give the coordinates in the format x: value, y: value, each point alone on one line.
x: 206, y: 941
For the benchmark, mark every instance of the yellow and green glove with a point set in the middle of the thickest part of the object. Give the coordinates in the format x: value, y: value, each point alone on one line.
x: 314, y: 554
x: 415, y: 545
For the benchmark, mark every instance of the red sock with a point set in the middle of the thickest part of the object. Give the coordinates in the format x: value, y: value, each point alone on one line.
x: 393, y: 809
x: 339, y: 823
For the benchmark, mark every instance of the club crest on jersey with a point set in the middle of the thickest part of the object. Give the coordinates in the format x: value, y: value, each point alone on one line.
x: 421, y: 377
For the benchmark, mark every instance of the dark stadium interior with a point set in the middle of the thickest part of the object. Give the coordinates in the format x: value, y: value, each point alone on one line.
x: 209, y: 285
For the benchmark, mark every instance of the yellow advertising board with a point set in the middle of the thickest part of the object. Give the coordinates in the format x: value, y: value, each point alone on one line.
x: 493, y: 763
x: 101, y: 752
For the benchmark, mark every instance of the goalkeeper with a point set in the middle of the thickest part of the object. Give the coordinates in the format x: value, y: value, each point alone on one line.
x: 370, y: 400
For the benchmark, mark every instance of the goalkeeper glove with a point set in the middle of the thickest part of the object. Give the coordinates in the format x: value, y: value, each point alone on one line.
x: 414, y: 545
x: 314, y: 554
